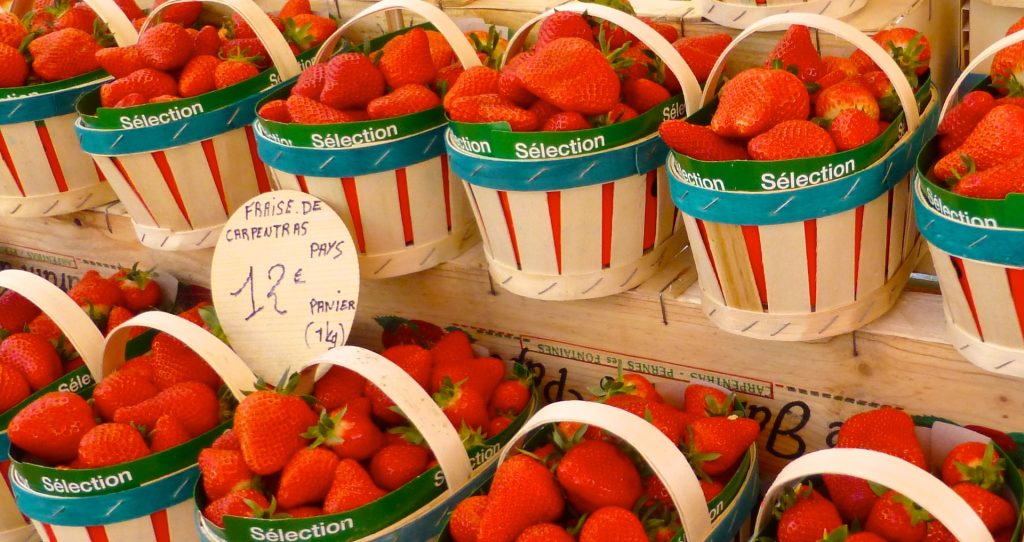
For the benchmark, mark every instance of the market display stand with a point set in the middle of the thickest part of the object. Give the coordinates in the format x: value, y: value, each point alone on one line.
x: 801, y: 390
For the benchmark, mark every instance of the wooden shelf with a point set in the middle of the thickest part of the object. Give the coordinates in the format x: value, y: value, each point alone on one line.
x: 799, y: 389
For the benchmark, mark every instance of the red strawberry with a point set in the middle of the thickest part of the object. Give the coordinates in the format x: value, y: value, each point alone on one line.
x: 34, y: 357
x: 993, y: 141
x: 995, y: 182
x: 404, y: 100
x: 498, y: 425
x: 840, y: 64
x: 441, y: 53
x: 594, y: 474
x: 197, y: 77
x: 510, y: 510
x: 307, y: 477
x: 311, y: 82
x: 276, y: 111
x: 701, y: 63
x: 702, y: 400
x: 292, y: 8
x: 398, y: 330
x: 937, y: 532
x: 907, y: 46
x: 184, y: 13
x: 304, y: 110
x: 758, y: 99
x: 78, y: 16
x: 643, y: 94
x: 572, y: 74
x: 700, y: 142
x: 852, y: 128
x: 510, y: 396
x: 270, y: 425
x: 223, y: 472
x: 16, y: 312
x: 480, y: 374
x: 194, y: 405
x: 713, y: 44
x: 545, y: 532
x: 351, y: 488
x: 130, y: 8
x: 349, y: 432
x: 308, y: 30
x: 118, y: 316
x: 148, y: 82
x: 960, y: 121
x: 465, y: 520
x: 351, y: 81
x: 337, y: 387
x: 174, y: 362
x: 492, y: 108
x: 995, y: 512
x: 896, y: 518
x: 543, y: 111
x: 227, y: 441
x: 791, y: 139
x: 206, y: 41
x: 406, y: 59
x: 453, y: 346
x: 13, y: 387
x: 132, y: 100
x: 167, y: 433
x: 796, y: 50
x: 806, y: 516
x: 396, y: 464
x: 865, y: 536
x: 120, y: 61
x: 510, y: 84
x: 564, y: 24
x: 121, y: 389
x: 474, y: 82
x: 234, y: 70
x: 849, y: 94
x: 462, y: 404
x: 12, y: 32
x: 446, y: 78
x: 111, y: 444
x: 52, y: 426
x: 63, y: 54
x: 613, y: 521
x: 245, y: 503
x: 166, y: 46
x: 245, y: 47
x: 717, y: 443
x: 302, y: 512
x: 667, y: 31
x: 976, y: 463
x: 566, y: 121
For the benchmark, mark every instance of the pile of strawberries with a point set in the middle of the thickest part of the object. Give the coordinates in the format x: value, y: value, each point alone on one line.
x: 800, y: 104
x: 34, y: 351
x: 182, y: 57
x: 585, y: 484
x: 154, y: 402
x: 348, y: 445
x: 973, y: 470
x: 978, y: 138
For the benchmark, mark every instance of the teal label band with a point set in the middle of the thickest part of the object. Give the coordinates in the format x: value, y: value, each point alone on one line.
x: 38, y: 102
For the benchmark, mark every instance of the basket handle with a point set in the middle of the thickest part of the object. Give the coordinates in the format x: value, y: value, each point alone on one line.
x: 661, y: 454
x: 894, y: 473
x: 647, y: 35
x: 237, y: 376
x: 280, y: 54
x: 69, y: 317
x: 990, y: 51
x: 853, y: 36
x: 417, y: 405
x: 120, y: 26
x: 463, y: 50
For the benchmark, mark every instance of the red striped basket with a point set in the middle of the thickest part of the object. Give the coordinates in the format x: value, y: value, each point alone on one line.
x: 740, y: 13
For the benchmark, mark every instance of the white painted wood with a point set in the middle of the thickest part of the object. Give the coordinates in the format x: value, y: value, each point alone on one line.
x: 836, y: 260
x: 132, y: 530
x: 332, y: 191
x: 380, y: 212
x: 898, y: 227
x: 784, y: 256
x: 732, y: 261
x: 666, y: 209
x: 77, y: 166
x: 426, y: 201
x: 284, y: 181
x: 629, y: 202
x: 497, y: 231
x: 910, y: 233
x: 181, y: 522
x: 953, y: 295
x: 196, y: 185
x: 533, y: 232
x: 124, y: 192
x: 149, y: 182
x: 994, y: 303
x: 872, y: 246
x: 581, y: 230
x: 70, y: 534
x: 29, y: 158
x: 235, y: 162
x: 462, y: 211
x: 705, y: 273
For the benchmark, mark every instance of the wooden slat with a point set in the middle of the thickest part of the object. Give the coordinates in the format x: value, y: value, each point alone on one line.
x: 898, y: 228
x: 124, y: 192
x: 733, y: 265
x: 666, y: 209
x: 581, y: 230
x: 233, y: 159
x: 138, y: 529
x: 493, y: 217
x: 427, y: 205
x: 77, y: 166
x: 29, y: 158
x: 195, y: 184
x: 533, y: 232
x: 149, y: 183
x: 835, y: 260
x: 182, y: 523
x: 990, y: 289
x: 872, y: 247
x: 331, y: 190
x: 70, y: 534
x: 956, y: 301
x: 706, y: 274
x: 784, y: 253
x: 381, y: 215
x: 628, y: 220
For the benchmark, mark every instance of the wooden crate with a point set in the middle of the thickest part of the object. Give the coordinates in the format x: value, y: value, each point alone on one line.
x: 982, y: 23
x: 801, y: 391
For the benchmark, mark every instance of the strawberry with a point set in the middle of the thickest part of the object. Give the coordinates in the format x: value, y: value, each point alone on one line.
x: 404, y: 100
x: 498, y: 425
x: 509, y: 509
x: 292, y: 8
x: 510, y: 84
x: 351, y: 81
x: 96, y: 293
x: 351, y: 488
x: 396, y: 464
x: 805, y: 516
x: 995, y: 182
x: 795, y: 51
x: 701, y: 63
x: 174, y: 362
x: 643, y: 94
x: 234, y: 70
x: 167, y: 433
x: 993, y: 141
x: 995, y: 512
x: 976, y: 463
x: 545, y: 532
x: 563, y: 24
x: 63, y: 54
x: 276, y: 111
x: 452, y: 346
x: 613, y: 523
x: 713, y: 44
x: 166, y: 46
x: 446, y: 78
x: 131, y: 100
x: 148, y: 82
x: 700, y: 142
x: 79, y: 16
x: 270, y: 425
x: 480, y: 374
x: 307, y: 30
x: 337, y: 387
x: 881, y: 88
x: 12, y: 32
x: 634, y: 63
x: 852, y: 128
x: 960, y: 121
x: 849, y: 94
x: 840, y: 64
x: 896, y: 518
x: 245, y: 47
x: 206, y: 41
x: 184, y: 14
x: 510, y: 396
x: 463, y: 405
x: 702, y: 400
x: 304, y: 110
x: 13, y: 387
x: 398, y: 330
x: 543, y: 111
x: 758, y: 99
x: 311, y: 82
x: 441, y: 53
x: 34, y: 357
x: 937, y: 532
x: 223, y: 472
x: 245, y: 503
x: 1007, y: 70
x: 121, y: 389
x: 306, y: 477
x: 197, y: 77
x: 302, y: 512
x: 406, y: 59
x: 16, y: 312
x: 111, y: 444
x: 667, y: 31
x: 194, y: 405
x: 141, y: 366
x: 492, y: 108
x: 52, y: 426
x: 791, y: 139
x: 908, y: 47
x: 118, y: 316
x: 350, y: 433
x: 227, y: 441
x: 566, y: 121
x: 465, y: 519
x: 474, y: 82
x: 717, y: 443
x: 572, y: 74
x: 120, y: 61
x: 595, y: 474
x: 164, y: 98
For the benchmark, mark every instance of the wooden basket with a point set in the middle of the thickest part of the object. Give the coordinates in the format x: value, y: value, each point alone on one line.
x: 742, y: 13
x: 156, y: 500
x: 976, y: 246
x: 417, y: 510
x: 593, y: 223
x: 83, y: 334
x: 43, y: 171
x: 182, y: 167
x: 794, y: 264
x: 395, y: 194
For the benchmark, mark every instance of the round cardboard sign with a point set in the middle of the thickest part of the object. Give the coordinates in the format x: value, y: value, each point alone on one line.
x: 285, y: 281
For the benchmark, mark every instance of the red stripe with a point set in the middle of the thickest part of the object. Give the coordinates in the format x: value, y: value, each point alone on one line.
x: 6, y: 155
x: 99, y: 172
x: 961, y: 275
x: 349, y: 185
x: 1016, y: 278
x: 707, y: 248
x: 262, y: 180
x: 302, y: 183
x: 165, y: 169
x: 858, y: 233
x: 752, y: 238
x: 211, y: 158
x: 161, y: 530
x: 97, y: 533
x: 811, y: 244
x: 5, y: 467
x: 651, y: 210
x: 607, y: 208
x: 888, y: 234
x: 49, y: 532
x: 446, y: 183
x: 555, y: 212
x: 507, y: 211
x: 128, y: 180
x: 51, y: 156
x: 403, y: 204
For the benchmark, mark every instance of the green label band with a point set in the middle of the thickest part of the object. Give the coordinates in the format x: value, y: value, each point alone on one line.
x: 39, y: 102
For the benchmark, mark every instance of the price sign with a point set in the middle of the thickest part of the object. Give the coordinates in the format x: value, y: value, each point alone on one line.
x: 285, y: 281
